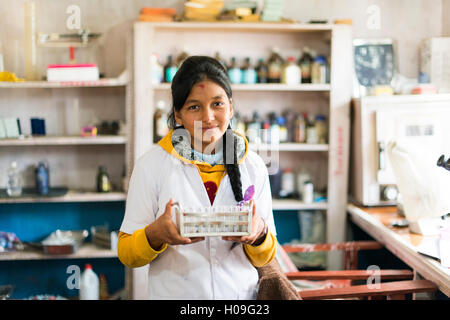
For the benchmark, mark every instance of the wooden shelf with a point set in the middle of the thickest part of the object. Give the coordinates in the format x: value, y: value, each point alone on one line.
x: 63, y: 140
x: 120, y: 81
x: 87, y: 250
x: 291, y: 204
x: 71, y: 196
x: 307, y: 87
x: 241, y: 26
x: 288, y: 147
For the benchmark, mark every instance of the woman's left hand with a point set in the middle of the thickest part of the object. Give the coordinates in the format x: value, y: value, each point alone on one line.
x: 257, y: 232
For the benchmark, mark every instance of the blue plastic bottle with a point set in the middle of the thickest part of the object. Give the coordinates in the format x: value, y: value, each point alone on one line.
x: 42, y: 179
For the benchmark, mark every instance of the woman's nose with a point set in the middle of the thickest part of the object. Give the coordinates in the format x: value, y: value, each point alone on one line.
x: 207, y: 115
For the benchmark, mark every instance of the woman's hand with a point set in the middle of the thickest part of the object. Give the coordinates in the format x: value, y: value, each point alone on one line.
x: 258, y: 230
x: 164, y: 230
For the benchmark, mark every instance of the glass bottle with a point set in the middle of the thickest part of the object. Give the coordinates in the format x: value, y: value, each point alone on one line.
x: 321, y: 128
x: 181, y: 57
x: 261, y: 71
x: 275, y: 65
x: 160, y: 126
x: 319, y: 70
x: 234, y: 72
x: 103, y: 182
x: 305, y: 64
x: 222, y: 61
x: 248, y: 72
x: 254, y: 128
x: 300, y: 129
x: 170, y: 69
x: 14, y: 187
x: 311, y: 133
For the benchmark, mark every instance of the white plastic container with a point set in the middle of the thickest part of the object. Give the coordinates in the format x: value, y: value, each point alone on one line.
x: 14, y: 187
x: 308, y: 192
x: 291, y: 72
x: 89, y: 284
x: 214, y: 221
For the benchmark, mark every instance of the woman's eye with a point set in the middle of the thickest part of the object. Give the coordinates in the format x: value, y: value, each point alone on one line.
x: 193, y: 108
x: 218, y: 103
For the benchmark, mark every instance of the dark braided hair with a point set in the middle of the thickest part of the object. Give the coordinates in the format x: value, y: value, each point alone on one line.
x: 194, y: 70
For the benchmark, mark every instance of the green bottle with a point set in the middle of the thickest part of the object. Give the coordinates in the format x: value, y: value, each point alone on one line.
x: 103, y: 182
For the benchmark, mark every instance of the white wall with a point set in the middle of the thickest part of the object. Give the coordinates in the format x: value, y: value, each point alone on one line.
x: 446, y: 18
x: 406, y: 21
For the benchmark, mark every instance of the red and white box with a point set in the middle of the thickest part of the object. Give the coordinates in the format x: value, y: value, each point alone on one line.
x: 72, y: 72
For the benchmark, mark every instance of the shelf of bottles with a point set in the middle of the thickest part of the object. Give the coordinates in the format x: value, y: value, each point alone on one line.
x: 308, y: 87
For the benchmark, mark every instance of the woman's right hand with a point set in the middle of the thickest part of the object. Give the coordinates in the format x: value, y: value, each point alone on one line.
x: 164, y: 230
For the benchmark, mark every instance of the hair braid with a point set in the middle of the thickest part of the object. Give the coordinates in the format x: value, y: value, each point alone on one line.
x: 232, y: 167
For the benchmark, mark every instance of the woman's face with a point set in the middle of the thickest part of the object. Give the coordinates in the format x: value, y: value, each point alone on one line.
x: 205, y: 114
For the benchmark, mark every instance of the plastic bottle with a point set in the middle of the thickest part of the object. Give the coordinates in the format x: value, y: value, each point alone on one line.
x: 291, y: 72
x: 103, y: 182
x: 14, y: 187
x: 261, y: 71
x: 89, y: 284
x: 248, y: 73
x: 284, y: 136
x: 287, y: 183
x: 274, y: 129
x: 302, y: 177
x: 274, y: 67
x: 308, y: 192
x: 42, y: 178
x: 305, y: 64
x: 160, y: 127
x: 170, y: 69
x: 234, y: 73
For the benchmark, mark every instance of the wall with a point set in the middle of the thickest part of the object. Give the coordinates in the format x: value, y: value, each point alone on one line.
x: 445, y: 18
x: 406, y: 21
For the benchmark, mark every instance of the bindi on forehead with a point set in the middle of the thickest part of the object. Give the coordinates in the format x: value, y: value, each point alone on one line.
x: 201, y: 85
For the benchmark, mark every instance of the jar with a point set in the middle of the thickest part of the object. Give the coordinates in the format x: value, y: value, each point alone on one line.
x: 320, y: 126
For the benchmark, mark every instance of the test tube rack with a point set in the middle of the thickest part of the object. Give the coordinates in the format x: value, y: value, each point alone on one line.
x: 214, y: 221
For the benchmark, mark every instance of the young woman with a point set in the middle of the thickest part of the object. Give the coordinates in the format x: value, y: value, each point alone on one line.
x: 201, y: 162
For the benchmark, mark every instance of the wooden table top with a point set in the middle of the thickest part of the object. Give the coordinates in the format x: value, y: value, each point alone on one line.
x: 400, y: 241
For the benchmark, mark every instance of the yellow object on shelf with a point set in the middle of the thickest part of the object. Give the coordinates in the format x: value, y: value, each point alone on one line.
x: 382, y: 91
x: 9, y: 77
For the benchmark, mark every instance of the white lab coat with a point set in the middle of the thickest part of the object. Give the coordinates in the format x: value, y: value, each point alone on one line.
x: 207, y: 269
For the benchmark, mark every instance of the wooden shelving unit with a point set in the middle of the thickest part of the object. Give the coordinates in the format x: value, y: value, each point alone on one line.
x: 71, y: 196
x: 63, y: 140
x: 328, y: 163
x: 87, y: 250
x: 120, y: 81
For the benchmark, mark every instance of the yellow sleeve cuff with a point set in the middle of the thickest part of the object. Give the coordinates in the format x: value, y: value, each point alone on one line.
x: 134, y: 250
x: 263, y: 254
x: 143, y: 248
